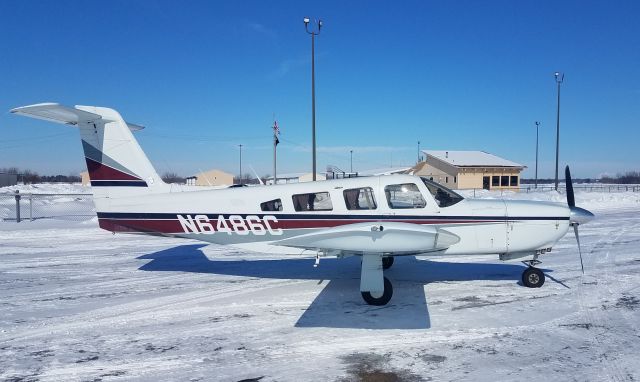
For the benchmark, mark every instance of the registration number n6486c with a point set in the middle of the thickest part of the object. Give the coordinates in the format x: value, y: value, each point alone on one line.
x: 251, y: 224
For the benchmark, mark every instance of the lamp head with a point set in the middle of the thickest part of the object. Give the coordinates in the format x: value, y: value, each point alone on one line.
x: 559, y: 76
x: 306, y: 21
x: 319, y: 24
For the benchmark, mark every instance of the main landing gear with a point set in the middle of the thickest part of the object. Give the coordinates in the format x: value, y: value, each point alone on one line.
x: 374, y: 287
x: 387, y: 262
x: 532, y: 277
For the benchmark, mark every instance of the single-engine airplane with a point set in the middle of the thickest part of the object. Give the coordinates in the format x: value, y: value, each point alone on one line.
x: 376, y: 218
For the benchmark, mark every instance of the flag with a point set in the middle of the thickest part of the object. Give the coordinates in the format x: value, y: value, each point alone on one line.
x: 276, y: 132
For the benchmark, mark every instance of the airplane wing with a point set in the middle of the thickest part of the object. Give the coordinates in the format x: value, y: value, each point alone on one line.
x: 388, y: 237
x: 54, y: 112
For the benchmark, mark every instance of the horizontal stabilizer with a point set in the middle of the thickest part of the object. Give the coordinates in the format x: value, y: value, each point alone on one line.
x: 57, y: 113
x: 381, y: 237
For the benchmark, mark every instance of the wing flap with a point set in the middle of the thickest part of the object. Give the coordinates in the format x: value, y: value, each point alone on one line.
x: 388, y: 237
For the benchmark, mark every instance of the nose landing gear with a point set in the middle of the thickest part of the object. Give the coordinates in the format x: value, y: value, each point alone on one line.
x: 532, y: 277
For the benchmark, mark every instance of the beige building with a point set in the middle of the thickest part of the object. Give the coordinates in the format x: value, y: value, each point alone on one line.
x: 85, y: 178
x: 469, y: 169
x: 211, y: 178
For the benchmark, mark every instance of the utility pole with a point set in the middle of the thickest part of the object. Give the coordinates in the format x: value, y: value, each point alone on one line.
x: 559, y: 78
x: 313, y: 34
x: 351, y: 169
x: 240, y: 163
x: 276, y: 131
x: 536, y: 182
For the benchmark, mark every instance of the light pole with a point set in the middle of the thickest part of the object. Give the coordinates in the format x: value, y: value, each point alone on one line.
x: 559, y: 78
x: 351, y: 152
x: 418, y: 152
x: 240, y: 163
x: 536, y: 182
x: 313, y: 34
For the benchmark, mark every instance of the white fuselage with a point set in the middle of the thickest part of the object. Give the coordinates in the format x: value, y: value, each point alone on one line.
x: 237, y: 215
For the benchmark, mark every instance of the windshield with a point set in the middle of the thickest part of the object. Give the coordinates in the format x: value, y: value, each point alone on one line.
x: 443, y: 196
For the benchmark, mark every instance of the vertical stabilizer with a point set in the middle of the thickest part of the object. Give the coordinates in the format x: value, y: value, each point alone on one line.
x: 116, y: 164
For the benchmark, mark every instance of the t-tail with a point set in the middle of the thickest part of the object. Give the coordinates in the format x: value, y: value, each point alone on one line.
x: 116, y: 164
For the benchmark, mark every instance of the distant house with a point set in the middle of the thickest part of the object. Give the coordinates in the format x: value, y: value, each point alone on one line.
x: 297, y: 177
x: 469, y: 169
x: 211, y: 178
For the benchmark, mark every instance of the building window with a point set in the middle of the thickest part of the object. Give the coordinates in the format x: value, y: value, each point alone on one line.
x: 514, y: 181
x: 505, y: 181
x: 455, y: 179
x: 359, y: 199
x: 495, y: 181
x: 446, y: 179
x: 319, y: 201
x: 405, y: 195
x: 271, y: 205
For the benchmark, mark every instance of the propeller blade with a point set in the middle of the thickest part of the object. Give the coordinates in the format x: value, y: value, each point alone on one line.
x: 575, y: 229
x: 571, y: 200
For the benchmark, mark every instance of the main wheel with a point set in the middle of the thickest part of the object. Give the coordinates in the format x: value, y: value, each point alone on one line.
x: 380, y: 300
x: 532, y: 277
x: 387, y: 262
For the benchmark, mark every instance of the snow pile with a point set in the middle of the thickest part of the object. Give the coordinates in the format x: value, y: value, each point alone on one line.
x: 48, y: 188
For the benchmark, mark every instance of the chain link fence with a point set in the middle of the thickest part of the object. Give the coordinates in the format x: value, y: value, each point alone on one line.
x: 28, y: 206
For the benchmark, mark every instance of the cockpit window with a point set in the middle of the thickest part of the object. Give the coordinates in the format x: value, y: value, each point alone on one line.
x: 405, y: 195
x: 443, y: 196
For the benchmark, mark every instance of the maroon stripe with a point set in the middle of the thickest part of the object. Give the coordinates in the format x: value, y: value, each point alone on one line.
x: 174, y: 226
x: 99, y: 171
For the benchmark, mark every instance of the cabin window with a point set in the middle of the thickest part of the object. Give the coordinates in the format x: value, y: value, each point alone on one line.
x: 318, y: 201
x: 495, y: 181
x: 514, y: 181
x: 271, y: 205
x: 505, y: 180
x: 405, y: 195
x: 443, y: 196
x: 359, y: 199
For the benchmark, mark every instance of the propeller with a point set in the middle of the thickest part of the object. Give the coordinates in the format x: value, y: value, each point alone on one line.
x: 578, y: 215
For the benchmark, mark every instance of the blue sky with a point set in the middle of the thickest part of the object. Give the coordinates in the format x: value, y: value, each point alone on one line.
x: 206, y: 76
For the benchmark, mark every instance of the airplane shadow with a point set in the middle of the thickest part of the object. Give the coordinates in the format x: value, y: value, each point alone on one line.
x: 340, y: 305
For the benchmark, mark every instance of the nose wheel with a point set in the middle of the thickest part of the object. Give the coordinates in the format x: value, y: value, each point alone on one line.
x: 532, y: 277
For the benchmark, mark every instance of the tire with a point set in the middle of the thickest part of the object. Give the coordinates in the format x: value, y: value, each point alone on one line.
x: 387, y: 262
x: 532, y: 278
x: 382, y: 300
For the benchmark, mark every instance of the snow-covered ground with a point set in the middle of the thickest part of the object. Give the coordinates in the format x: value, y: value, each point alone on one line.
x: 80, y: 304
